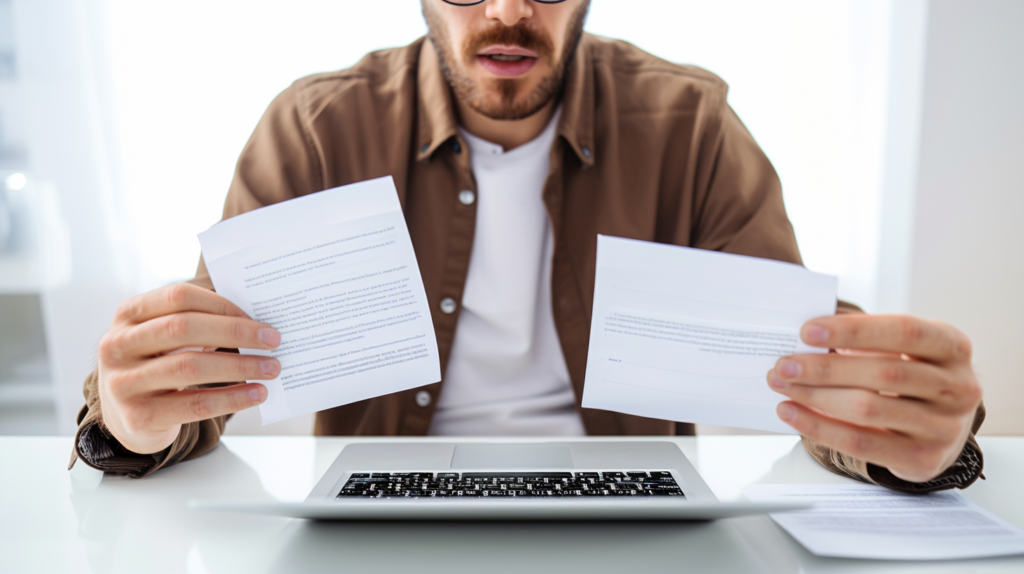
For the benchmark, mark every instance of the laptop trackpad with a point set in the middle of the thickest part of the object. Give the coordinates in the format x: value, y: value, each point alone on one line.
x: 512, y: 456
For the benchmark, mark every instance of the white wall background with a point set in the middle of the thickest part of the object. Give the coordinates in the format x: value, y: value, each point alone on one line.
x: 968, y: 239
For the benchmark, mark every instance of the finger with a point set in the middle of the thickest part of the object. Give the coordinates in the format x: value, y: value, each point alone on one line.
x: 176, y: 372
x: 927, y: 340
x: 175, y: 298
x: 182, y: 407
x: 170, y: 332
x: 868, y: 408
x: 875, y: 445
x: 892, y: 375
x: 857, y: 353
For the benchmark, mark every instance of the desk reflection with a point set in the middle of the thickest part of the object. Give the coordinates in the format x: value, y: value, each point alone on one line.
x: 144, y: 525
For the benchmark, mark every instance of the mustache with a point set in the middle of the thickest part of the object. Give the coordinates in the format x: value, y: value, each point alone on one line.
x: 519, y: 35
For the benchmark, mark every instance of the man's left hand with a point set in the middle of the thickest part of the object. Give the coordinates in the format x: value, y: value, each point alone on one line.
x: 899, y: 392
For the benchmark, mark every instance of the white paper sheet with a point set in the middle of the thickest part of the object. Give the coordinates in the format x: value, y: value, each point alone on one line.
x: 336, y: 274
x: 689, y: 335
x: 867, y: 521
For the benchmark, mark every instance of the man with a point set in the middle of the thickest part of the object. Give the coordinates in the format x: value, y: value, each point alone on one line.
x: 514, y: 139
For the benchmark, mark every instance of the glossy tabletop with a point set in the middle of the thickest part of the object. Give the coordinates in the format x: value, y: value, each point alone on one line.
x: 52, y: 520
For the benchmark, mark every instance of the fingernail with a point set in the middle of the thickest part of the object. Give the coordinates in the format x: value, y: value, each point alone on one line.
x: 787, y: 412
x: 789, y: 368
x: 815, y: 334
x: 775, y: 381
x: 270, y: 366
x: 257, y: 393
x: 269, y: 337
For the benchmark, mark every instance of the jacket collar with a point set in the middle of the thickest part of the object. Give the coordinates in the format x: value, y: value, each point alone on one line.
x: 438, y: 124
x: 577, y: 123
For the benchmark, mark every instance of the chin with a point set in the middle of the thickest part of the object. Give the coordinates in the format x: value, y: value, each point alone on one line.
x: 498, y: 109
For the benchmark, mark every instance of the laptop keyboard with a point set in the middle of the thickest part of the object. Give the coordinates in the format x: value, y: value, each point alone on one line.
x: 509, y: 484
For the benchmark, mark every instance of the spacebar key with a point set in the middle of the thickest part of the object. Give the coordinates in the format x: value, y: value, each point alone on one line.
x: 552, y: 475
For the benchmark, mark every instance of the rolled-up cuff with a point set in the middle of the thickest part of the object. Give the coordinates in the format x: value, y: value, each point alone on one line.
x: 961, y: 474
x: 100, y: 450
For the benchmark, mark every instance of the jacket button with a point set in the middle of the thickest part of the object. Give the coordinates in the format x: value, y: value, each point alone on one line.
x: 467, y: 197
x: 425, y: 147
x: 457, y: 147
x: 423, y: 398
x: 586, y: 152
x: 448, y: 305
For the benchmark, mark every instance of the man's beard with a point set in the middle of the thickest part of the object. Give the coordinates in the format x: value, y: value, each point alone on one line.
x: 510, y: 105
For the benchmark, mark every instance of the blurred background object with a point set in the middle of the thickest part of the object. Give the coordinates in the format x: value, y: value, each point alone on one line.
x: 894, y: 125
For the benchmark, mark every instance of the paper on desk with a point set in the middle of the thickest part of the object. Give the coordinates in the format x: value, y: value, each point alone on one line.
x: 868, y: 521
x: 689, y: 335
x: 336, y: 274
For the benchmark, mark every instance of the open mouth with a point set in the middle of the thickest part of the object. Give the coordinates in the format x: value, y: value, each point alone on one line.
x: 507, y: 61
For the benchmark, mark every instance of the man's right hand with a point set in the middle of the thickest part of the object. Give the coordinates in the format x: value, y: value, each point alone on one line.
x: 144, y: 386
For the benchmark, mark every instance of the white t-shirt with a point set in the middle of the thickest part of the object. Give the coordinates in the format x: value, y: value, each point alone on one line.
x: 506, y: 373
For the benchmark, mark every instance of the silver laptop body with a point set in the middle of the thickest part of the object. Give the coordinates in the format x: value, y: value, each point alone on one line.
x: 509, y: 481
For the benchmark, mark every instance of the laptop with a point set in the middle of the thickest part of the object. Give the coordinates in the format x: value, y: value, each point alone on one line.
x: 543, y: 480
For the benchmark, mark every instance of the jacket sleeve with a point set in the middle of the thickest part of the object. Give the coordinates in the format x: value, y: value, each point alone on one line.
x: 961, y: 474
x: 279, y: 162
x: 738, y: 208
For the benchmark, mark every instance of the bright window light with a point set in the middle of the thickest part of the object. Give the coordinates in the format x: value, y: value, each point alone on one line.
x: 15, y: 181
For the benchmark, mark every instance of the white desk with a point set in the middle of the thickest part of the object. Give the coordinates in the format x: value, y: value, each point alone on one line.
x: 52, y: 520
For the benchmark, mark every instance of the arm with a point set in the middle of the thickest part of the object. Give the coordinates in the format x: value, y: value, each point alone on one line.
x: 738, y: 208
x: 145, y: 408
x: 898, y: 404
x: 960, y: 474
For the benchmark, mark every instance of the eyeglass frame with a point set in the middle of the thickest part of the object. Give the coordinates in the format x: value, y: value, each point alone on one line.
x: 482, y: 1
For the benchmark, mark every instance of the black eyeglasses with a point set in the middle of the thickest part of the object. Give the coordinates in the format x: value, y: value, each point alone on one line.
x: 475, y: 2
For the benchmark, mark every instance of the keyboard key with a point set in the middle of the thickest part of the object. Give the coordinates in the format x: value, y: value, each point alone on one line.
x: 665, y: 488
x: 667, y: 493
x: 370, y: 480
x: 493, y: 475
x: 542, y: 486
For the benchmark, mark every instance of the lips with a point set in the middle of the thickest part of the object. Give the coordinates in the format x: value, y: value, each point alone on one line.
x: 507, y: 60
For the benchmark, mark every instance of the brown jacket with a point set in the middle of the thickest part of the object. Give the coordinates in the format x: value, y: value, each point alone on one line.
x: 645, y: 149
